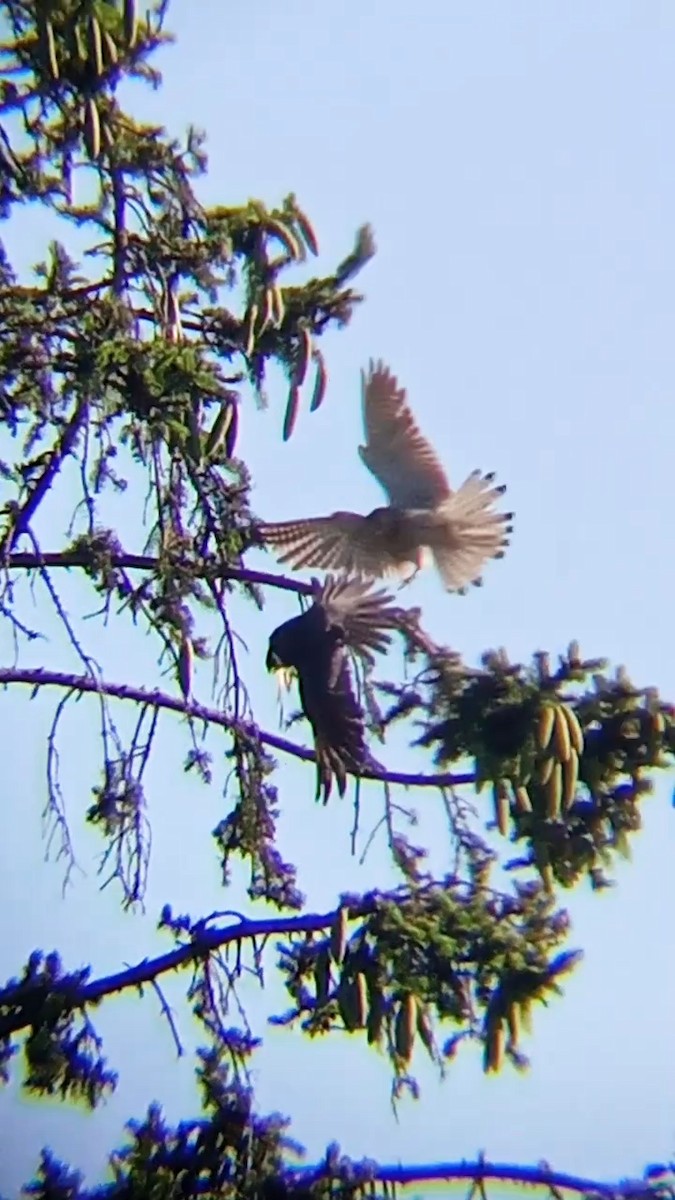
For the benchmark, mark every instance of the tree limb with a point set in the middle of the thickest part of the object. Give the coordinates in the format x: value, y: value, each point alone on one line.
x: 203, y: 942
x: 482, y: 1171
x: 22, y: 514
x: 210, y: 568
x: 213, y: 716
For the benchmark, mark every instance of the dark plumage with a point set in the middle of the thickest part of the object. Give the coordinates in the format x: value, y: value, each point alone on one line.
x: 346, y: 616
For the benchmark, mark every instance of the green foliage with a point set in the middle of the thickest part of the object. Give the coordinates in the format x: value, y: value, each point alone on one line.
x: 569, y: 753
x: 62, y: 1051
x: 133, y: 367
x: 470, y: 958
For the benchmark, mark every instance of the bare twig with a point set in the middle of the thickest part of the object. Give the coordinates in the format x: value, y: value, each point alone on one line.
x: 54, y: 809
x: 166, y: 1009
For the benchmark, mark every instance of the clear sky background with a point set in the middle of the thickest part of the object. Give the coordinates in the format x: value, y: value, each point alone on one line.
x: 517, y: 163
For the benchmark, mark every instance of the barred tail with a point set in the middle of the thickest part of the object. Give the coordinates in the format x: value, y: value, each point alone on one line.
x: 470, y: 532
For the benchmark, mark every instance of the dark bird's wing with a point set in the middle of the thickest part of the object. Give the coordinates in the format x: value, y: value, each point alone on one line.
x: 338, y: 723
x: 346, y: 615
x: 400, y: 458
x: 344, y: 541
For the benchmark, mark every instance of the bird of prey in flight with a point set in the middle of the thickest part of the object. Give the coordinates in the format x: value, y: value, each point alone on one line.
x: 347, y: 615
x: 424, y: 522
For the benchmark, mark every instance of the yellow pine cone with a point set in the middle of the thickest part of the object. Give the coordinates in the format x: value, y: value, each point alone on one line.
x: 320, y: 381
x: 361, y: 988
x: 574, y: 728
x: 405, y: 1027
x: 185, y: 664
x: 545, y: 770
x: 522, y: 800
x: 554, y: 793
x: 92, y: 129
x: 570, y: 780
x: 291, y: 414
x: 494, y: 1045
x: 338, y: 936
x: 130, y: 23
x: 561, y: 734
x: 545, y: 726
x: 502, y: 806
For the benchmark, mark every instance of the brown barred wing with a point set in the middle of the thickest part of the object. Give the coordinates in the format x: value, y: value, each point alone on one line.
x: 344, y: 541
x: 396, y: 452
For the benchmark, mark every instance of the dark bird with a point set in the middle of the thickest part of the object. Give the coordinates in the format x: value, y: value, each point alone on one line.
x: 424, y: 521
x: 346, y: 616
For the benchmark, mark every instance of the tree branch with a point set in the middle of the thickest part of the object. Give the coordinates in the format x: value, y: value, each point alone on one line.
x: 210, y: 568
x: 22, y: 515
x: 203, y: 942
x: 213, y: 716
x: 481, y: 1171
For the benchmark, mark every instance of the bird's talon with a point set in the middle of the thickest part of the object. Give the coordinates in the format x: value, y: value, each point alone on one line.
x: 408, y: 581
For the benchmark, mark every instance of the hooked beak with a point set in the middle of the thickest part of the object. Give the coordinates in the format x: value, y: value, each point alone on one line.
x: 285, y: 675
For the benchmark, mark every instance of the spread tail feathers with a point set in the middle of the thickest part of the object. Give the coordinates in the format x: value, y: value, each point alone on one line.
x: 471, y: 532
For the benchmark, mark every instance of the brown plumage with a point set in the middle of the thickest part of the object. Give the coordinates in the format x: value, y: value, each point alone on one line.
x: 425, y: 521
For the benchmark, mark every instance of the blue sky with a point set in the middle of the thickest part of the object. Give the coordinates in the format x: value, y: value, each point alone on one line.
x: 516, y: 162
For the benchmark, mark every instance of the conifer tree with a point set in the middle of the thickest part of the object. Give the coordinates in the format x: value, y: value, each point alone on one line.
x: 133, y: 363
